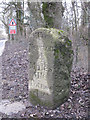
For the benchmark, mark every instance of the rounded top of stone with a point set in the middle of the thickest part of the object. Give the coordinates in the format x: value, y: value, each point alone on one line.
x: 56, y: 33
x: 52, y: 35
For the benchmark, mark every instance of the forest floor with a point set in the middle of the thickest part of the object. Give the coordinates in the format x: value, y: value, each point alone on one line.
x: 15, y: 88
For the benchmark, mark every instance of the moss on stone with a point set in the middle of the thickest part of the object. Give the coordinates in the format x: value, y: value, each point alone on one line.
x: 36, y: 100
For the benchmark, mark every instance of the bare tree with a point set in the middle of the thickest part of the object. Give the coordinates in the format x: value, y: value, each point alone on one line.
x: 14, y: 10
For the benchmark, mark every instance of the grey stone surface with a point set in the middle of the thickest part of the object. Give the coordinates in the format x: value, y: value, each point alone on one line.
x: 50, y: 55
x: 9, y: 108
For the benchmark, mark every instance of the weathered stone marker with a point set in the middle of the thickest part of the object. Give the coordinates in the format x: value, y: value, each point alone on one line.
x: 50, y: 56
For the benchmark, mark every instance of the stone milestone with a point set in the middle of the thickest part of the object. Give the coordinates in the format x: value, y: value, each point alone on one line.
x: 50, y: 58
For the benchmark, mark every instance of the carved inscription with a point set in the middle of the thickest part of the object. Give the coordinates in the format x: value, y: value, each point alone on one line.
x: 40, y: 77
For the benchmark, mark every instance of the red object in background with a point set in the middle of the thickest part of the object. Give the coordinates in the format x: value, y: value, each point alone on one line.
x: 12, y: 31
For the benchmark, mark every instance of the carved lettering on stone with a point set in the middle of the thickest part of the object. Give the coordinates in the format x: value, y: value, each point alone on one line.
x: 41, y: 70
